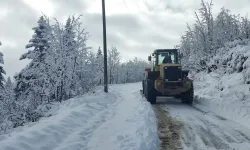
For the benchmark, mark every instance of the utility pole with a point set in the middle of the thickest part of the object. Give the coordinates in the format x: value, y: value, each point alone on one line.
x: 104, y: 47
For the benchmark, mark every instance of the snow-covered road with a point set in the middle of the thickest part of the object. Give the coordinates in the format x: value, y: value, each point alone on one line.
x: 204, y: 130
x: 123, y: 120
x: 119, y: 120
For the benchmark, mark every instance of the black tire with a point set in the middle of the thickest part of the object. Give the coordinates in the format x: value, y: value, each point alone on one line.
x: 178, y: 96
x: 143, y: 88
x: 150, y: 93
x: 188, y: 97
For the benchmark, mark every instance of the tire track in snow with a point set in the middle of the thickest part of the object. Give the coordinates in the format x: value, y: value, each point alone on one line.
x: 133, y: 127
x: 168, y: 130
x: 203, y: 130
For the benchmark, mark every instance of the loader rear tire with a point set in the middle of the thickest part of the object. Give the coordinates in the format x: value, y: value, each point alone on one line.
x: 150, y: 93
x: 188, y: 97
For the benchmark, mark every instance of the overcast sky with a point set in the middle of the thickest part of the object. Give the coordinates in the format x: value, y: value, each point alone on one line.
x: 135, y: 27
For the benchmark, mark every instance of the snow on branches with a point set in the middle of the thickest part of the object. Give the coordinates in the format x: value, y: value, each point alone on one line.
x: 1, y: 70
x: 203, y: 40
x: 61, y: 66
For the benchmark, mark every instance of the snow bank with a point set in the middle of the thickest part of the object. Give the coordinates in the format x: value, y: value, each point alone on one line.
x: 225, y: 95
x: 234, y: 57
x: 118, y: 120
x: 226, y: 91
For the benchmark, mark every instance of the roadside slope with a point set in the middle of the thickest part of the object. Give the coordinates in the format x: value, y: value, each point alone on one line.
x: 120, y: 119
x: 225, y: 95
x: 225, y: 89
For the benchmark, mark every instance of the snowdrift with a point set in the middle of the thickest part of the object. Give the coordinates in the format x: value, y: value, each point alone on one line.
x: 226, y: 91
x: 118, y: 120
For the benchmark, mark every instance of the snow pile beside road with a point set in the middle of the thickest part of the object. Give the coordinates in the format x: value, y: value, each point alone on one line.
x: 226, y: 95
x: 226, y: 89
x: 119, y: 120
x: 234, y: 57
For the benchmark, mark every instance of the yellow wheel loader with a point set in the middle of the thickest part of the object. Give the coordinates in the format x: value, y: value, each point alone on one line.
x: 166, y: 78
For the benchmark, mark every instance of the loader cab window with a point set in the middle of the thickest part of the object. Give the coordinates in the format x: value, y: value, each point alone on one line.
x: 167, y: 58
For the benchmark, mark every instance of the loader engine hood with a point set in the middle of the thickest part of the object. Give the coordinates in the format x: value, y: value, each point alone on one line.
x: 171, y: 72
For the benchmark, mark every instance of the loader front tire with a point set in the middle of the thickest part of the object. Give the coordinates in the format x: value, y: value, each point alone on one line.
x: 143, y: 87
x: 150, y: 92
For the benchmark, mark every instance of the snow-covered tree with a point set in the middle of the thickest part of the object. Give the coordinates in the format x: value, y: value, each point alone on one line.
x: 100, y: 66
x: 61, y: 66
x: 197, y: 44
x: 8, y: 107
x: 32, y: 81
x: 132, y: 71
x: 1, y: 71
x: 113, y: 65
x: 245, y: 28
x: 226, y: 28
x: 68, y: 60
x: 72, y: 59
x: 8, y: 97
x: 205, y: 39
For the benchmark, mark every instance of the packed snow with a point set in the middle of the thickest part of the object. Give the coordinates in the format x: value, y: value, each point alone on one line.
x: 225, y: 95
x: 206, y: 130
x: 118, y: 120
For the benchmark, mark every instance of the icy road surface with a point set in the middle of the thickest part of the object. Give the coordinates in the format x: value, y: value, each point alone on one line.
x: 204, y: 130
x: 119, y: 120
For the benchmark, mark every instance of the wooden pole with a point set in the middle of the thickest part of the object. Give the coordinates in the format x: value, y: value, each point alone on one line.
x: 104, y: 47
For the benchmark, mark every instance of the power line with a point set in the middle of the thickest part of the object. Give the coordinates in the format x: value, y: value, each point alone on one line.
x: 126, y: 5
x: 138, y: 6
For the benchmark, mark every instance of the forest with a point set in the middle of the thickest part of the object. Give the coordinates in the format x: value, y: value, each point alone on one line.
x: 62, y: 65
x: 207, y: 44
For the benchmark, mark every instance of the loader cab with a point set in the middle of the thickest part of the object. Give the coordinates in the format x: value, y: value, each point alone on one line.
x: 164, y: 56
x: 167, y: 57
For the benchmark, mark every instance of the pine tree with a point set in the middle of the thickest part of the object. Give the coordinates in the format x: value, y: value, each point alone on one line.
x: 72, y: 59
x: 61, y: 67
x: 100, y: 66
x: 2, y: 80
x: 33, y: 80
x: 9, y: 96
x: 67, y: 62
